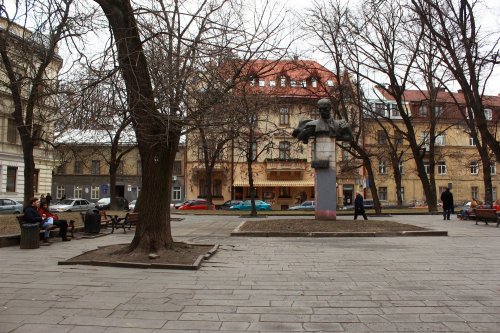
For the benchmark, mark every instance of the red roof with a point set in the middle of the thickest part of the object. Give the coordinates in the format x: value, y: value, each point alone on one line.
x: 443, y: 96
x: 301, y: 73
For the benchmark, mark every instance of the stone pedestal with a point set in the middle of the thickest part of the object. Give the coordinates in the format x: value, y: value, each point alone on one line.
x: 325, y: 179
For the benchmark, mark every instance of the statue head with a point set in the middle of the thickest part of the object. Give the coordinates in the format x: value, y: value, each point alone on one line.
x: 324, y: 107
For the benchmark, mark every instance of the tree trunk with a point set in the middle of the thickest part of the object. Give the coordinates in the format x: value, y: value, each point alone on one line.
x: 157, y: 135
x: 29, y: 169
x: 251, y: 188
x: 373, y: 187
x: 112, y: 185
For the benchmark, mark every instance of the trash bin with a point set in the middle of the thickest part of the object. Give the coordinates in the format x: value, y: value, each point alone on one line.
x: 92, y: 223
x: 30, y: 236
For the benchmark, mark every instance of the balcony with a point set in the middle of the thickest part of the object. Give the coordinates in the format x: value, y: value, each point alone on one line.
x: 278, y: 165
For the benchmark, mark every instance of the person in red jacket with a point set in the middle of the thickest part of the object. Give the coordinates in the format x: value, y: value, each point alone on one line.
x: 43, y: 211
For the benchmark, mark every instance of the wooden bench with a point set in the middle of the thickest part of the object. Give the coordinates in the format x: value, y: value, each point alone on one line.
x: 485, y: 215
x: 105, y: 218
x: 130, y: 218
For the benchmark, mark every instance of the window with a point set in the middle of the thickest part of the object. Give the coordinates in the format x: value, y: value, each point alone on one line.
x: 401, y: 167
x: 329, y: 83
x: 382, y: 167
x: 345, y: 152
x: 488, y: 114
x: 474, y: 192
x: 139, y: 167
x: 313, y: 151
x: 293, y: 83
x: 474, y: 168
x: 272, y: 83
x: 402, y: 192
x: 314, y: 82
x: 217, y: 188
x: 398, y: 139
x: 284, y: 116
x: 282, y: 81
x: 284, y: 192
x: 427, y: 167
x: 304, y: 84
x: 94, y: 192
x: 95, y: 167
x: 284, y: 147
x: 471, y: 141
x: 121, y: 168
x: 203, y: 188
x: 440, y: 140
x: 176, y: 193
x: 254, y: 150
x: 442, y: 167
x: 36, y: 177
x: 381, y: 137
x: 61, y: 170
x: 262, y: 83
x: 438, y: 111
x: 77, y: 192
x: 61, y: 191
x: 177, y: 168
x: 422, y: 111
x: 382, y: 193
x: 11, y: 179
x: 11, y: 131
x: 494, y: 193
x: 424, y: 136
x: 394, y: 110
x: 252, y: 82
x: 380, y: 109
x: 78, y: 168
x: 493, y: 168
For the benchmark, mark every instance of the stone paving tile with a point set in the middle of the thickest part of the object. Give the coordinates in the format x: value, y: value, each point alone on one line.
x: 355, y: 285
x: 37, y: 328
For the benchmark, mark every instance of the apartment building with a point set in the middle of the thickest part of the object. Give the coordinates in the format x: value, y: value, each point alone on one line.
x: 83, y: 168
x: 458, y: 164
x: 282, y: 173
x: 11, y: 152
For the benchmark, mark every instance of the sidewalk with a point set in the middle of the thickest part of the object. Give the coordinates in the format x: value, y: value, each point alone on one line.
x: 396, y: 284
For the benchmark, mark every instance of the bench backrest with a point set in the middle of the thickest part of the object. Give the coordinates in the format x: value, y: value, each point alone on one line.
x: 486, y: 213
x: 102, y: 213
x: 132, y: 217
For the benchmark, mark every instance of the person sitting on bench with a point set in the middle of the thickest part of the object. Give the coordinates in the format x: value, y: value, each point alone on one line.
x: 43, y: 210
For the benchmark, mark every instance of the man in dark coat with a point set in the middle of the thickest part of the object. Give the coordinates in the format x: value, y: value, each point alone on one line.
x: 447, y: 199
x: 359, y: 206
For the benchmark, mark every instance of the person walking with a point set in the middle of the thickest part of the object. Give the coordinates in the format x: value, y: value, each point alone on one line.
x: 359, y: 207
x: 48, y: 199
x: 447, y: 199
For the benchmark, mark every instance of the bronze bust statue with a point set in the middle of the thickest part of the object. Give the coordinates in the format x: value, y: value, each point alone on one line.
x: 340, y: 129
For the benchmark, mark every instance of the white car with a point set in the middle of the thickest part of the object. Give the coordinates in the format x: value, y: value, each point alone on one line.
x: 71, y: 205
x: 131, y: 205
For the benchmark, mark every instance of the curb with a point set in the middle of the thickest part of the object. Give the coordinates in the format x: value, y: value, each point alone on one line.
x: 425, y: 233
x: 125, y: 264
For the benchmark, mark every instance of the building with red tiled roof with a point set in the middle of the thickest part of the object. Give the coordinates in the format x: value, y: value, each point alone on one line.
x: 282, y: 175
x: 457, y: 160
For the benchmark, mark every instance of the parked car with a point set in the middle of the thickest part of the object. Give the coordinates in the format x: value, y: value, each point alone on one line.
x: 185, y: 202
x: 247, y: 205
x: 306, y: 205
x: 9, y: 206
x: 72, y: 205
x: 200, y: 204
x: 131, y: 205
x: 105, y: 203
x: 226, y: 205
x: 367, y: 203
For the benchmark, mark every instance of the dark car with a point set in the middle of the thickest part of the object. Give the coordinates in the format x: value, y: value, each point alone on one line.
x: 227, y: 204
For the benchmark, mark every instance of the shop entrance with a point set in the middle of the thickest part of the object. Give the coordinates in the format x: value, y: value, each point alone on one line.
x: 348, y: 193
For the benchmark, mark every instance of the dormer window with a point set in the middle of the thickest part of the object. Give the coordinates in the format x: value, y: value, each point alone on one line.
x: 488, y: 114
x: 272, y: 83
x: 293, y: 83
x: 262, y: 83
x: 282, y: 81
x: 314, y: 82
x: 329, y: 83
x: 251, y: 82
x: 304, y: 84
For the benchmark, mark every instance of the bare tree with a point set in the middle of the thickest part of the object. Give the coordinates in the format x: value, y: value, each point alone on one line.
x: 470, y: 55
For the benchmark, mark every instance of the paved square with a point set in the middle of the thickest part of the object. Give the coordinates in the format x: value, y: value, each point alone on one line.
x: 396, y: 284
